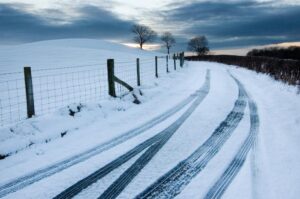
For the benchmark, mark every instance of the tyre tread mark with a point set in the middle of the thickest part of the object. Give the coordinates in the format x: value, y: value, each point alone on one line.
x: 92, y: 178
x: 221, y: 185
x: 171, y: 183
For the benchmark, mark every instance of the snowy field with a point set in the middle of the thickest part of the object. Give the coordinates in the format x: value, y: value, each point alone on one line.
x: 184, y: 140
x: 66, y: 71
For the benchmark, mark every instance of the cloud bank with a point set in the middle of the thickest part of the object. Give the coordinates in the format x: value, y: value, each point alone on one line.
x: 17, y: 25
x: 227, y: 24
x: 240, y: 23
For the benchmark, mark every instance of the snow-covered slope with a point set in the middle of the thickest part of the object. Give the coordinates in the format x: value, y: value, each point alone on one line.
x: 63, y: 53
x: 67, y: 74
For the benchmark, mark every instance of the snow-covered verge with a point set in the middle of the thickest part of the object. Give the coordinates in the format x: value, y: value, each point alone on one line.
x: 44, y: 129
x: 64, y: 121
x: 68, y: 116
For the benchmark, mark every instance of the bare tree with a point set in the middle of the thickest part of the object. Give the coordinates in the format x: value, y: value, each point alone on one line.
x: 143, y: 34
x: 168, y: 40
x: 199, y: 45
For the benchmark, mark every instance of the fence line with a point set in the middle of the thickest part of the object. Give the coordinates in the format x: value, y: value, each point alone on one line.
x: 48, y: 89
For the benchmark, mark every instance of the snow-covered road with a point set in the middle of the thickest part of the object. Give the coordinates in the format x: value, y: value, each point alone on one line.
x: 235, y: 137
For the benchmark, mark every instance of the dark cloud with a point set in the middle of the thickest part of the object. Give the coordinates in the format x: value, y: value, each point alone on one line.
x: 226, y: 24
x: 239, y: 23
x: 211, y: 10
x: 20, y: 26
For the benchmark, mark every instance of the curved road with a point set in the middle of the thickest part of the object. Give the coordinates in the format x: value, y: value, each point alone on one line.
x: 176, y: 179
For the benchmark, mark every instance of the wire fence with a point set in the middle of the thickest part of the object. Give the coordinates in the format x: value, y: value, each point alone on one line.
x: 12, y: 100
x: 147, y: 70
x: 125, y: 71
x: 54, y: 88
x: 57, y: 88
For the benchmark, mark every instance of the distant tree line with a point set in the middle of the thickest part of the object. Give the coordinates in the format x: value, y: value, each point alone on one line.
x: 280, y: 69
x: 292, y: 52
x: 144, y: 34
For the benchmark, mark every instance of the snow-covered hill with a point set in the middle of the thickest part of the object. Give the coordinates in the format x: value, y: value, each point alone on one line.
x: 65, y: 52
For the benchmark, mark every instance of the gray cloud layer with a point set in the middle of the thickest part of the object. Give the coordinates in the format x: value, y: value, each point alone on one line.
x: 239, y: 23
x: 226, y: 24
x: 20, y: 26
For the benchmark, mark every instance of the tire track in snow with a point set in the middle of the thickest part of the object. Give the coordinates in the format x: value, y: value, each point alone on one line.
x: 40, y: 174
x: 154, y: 143
x: 120, y: 184
x: 220, y: 186
x: 174, y: 181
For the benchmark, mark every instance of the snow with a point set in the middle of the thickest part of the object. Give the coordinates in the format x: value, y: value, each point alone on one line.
x: 277, y: 154
x: 57, y: 68
x: 65, y: 52
x: 80, y: 141
x: 192, y: 133
x: 54, y: 102
x: 270, y: 171
x: 272, y: 167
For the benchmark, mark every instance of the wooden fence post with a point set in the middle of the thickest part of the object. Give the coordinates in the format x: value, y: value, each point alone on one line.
x: 174, y: 58
x: 167, y: 63
x: 110, y: 77
x: 181, y: 60
x: 179, y: 57
x: 29, y: 92
x: 138, y: 71
x: 156, y: 69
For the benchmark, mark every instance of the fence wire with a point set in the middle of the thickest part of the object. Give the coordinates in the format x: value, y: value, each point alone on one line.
x: 126, y: 71
x: 161, y: 66
x: 147, y: 71
x: 58, y: 87
x: 12, y: 100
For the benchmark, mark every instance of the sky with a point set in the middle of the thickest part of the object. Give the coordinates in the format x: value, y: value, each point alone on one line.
x: 226, y: 24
